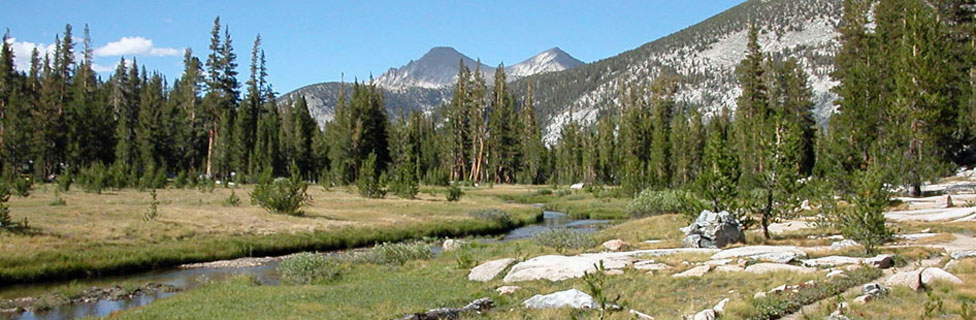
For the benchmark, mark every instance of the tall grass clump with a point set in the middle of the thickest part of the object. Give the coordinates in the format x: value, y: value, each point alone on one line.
x: 307, y: 267
x: 282, y: 196
x: 393, y: 254
x: 652, y: 202
x: 563, y: 239
x: 498, y: 216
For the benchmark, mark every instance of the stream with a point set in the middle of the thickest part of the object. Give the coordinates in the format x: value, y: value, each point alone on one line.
x: 188, y: 278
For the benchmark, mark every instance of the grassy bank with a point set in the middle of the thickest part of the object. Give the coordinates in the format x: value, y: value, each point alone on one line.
x: 579, y: 204
x: 94, y: 235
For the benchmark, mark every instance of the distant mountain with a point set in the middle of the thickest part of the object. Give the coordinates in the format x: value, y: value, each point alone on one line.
x: 427, y: 82
x: 551, y: 60
x: 704, y: 55
x: 438, y: 68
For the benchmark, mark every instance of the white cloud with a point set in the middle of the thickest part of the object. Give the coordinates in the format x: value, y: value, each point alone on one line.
x: 22, y: 52
x: 134, y: 46
x: 100, y: 68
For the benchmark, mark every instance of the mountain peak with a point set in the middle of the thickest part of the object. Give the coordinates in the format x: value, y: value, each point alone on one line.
x: 551, y: 60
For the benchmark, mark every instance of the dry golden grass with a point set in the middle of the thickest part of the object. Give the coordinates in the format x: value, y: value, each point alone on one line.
x: 114, y: 219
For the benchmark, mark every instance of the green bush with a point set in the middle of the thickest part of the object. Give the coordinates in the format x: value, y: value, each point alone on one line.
x: 562, y: 239
x: 5, y: 220
x: 499, y: 216
x: 233, y: 200
x: 651, y: 202
x: 283, y: 196
x: 543, y: 192
x: 394, y: 254
x: 94, y: 178
x: 153, y: 211
x: 181, y: 181
x: 65, y: 181
x: 206, y: 184
x: 307, y: 267
x: 369, y: 185
x: 454, y: 193
x: 21, y: 185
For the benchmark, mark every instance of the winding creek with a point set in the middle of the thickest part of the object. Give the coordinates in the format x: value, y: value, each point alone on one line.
x: 187, y: 278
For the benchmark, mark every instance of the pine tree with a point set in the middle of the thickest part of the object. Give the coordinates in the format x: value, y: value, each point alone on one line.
x: 662, y: 104
x: 305, y: 128
x: 720, y: 171
x: 503, y: 128
x: 459, y: 119
x: 606, y: 149
x: 752, y: 110
x: 532, y: 148
x: 635, y: 136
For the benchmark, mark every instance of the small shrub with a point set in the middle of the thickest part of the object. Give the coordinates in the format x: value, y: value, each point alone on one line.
x: 404, y: 183
x: 307, y: 267
x: 65, y: 181
x: 153, y: 211
x: 283, y: 196
x: 369, y: 184
x: 596, y: 285
x: 394, y: 254
x: 863, y: 220
x: 21, y: 185
x: 543, y: 192
x: 499, y: 216
x: 562, y: 239
x: 95, y: 178
x: 58, y: 199
x: 206, y: 184
x: 464, y: 258
x: 181, y: 180
x: 563, y: 193
x: 233, y: 200
x: 454, y: 193
x: 5, y: 221
x: 650, y: 202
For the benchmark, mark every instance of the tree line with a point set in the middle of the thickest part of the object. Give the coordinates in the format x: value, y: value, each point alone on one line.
x: 905, y: 113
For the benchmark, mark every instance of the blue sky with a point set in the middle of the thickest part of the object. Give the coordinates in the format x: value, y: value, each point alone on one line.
x: 314, y: 41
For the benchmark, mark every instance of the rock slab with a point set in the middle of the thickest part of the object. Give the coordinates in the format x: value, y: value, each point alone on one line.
x: 766, y: 267
x: 777, y: 254
x: 563, y: 299
x: 489, y: 270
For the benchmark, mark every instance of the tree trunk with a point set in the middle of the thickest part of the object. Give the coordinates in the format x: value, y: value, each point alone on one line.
x: 210, y: 142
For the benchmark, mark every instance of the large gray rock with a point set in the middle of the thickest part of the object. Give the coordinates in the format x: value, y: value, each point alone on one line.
x: 563, y: 299
x: 931, y: 275
x: 713, y: 230
x: 489, y: 270
x: 909, y: 279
